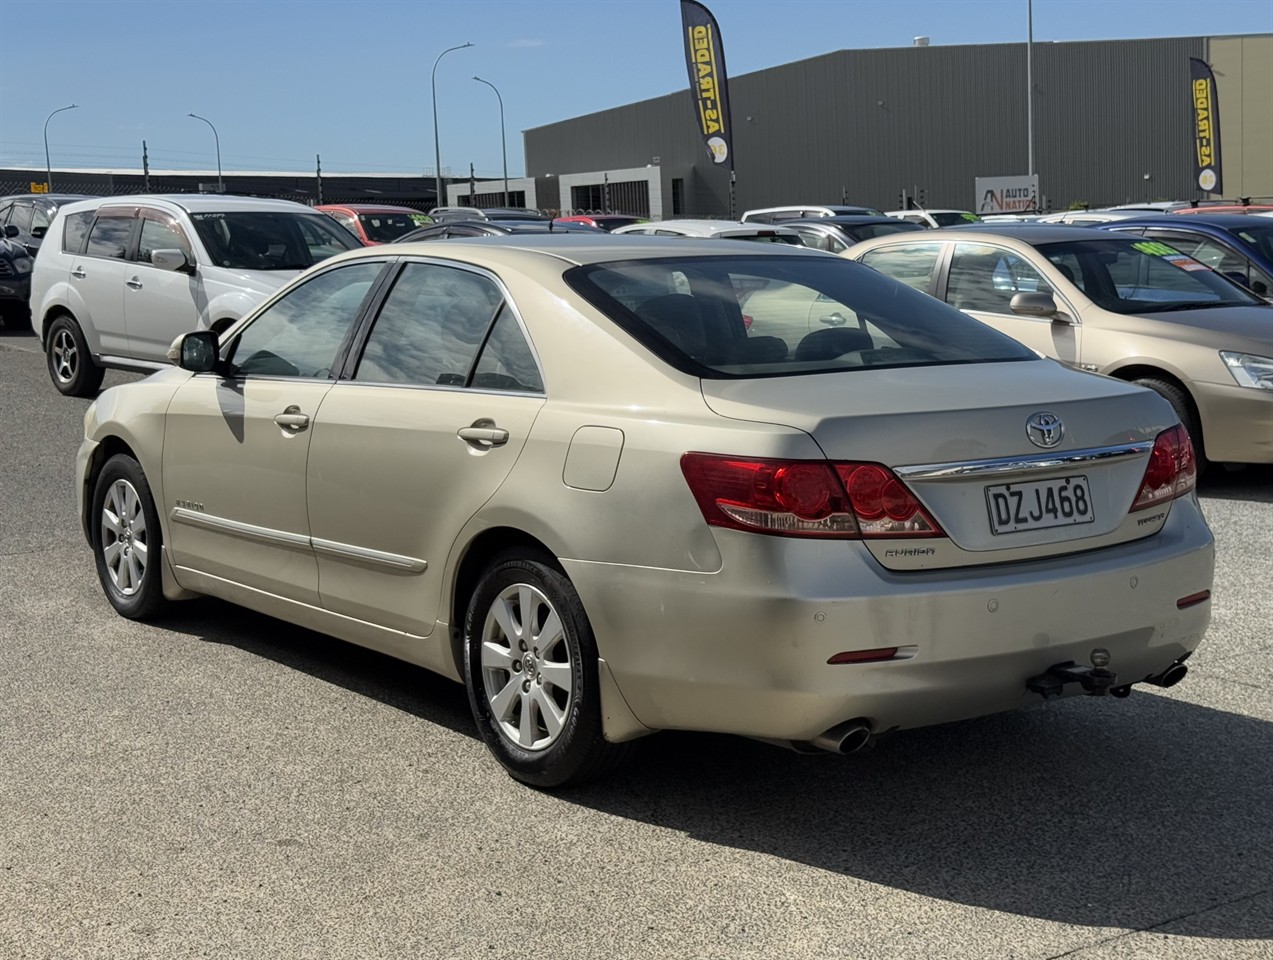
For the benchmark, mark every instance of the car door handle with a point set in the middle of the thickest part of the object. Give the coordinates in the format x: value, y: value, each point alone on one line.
x: 835, y: 320
x: 134, y: 283
x: 78, y: 273
x: 292, y: 419
x: 484, y: 431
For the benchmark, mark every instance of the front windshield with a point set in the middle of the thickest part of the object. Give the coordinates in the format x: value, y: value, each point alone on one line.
x: 387, y: 227
x: 270, y: 240
x: 1142, y: 276
x: 764, y: 315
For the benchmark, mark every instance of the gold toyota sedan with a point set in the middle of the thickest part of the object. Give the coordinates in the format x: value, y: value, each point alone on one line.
x: 1121, y: 305
x: 569, y: 473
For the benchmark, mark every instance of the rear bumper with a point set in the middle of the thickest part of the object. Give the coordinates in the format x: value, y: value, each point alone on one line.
x: 1237, y: 422
x: 744, y: 650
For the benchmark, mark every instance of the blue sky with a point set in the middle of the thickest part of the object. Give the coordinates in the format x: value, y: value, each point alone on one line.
x: 284, y: 80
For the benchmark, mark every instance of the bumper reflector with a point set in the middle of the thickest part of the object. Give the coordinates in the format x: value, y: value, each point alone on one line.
x: 1193, y: 599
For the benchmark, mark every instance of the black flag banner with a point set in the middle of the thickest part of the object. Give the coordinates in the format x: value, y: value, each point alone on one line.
x: 1206, y: 126
x: 709, y: 84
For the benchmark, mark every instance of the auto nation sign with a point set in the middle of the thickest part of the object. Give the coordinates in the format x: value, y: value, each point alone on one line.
x: 1008, y: 194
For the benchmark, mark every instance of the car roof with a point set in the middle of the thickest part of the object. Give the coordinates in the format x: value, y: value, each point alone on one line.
x: 368, y: 208
x: 192, y: 203
x: 58, y: 197
x: 846, y: 219
x: 584, y: 248
x: 1224, y: 221
x: 709, y: 228
x: 1028, y: 233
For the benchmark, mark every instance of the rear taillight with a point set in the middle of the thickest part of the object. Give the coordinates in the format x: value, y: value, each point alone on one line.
x: 1171, y: 472
x: 805, y: 498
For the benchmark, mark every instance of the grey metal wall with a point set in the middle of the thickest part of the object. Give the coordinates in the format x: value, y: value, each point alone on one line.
x: 866, y: 124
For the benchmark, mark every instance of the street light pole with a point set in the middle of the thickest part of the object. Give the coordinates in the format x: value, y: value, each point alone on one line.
x: 503, y: 145
x: 437, y: 147
x: 48, y: 166
x: 220, y: 184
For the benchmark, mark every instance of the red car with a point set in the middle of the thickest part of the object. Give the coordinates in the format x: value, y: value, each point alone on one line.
x: 374, y: 223
x: 604, y: 221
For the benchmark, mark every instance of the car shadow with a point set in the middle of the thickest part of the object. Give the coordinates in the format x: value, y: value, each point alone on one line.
x: 1093, y: 812
x: 1253, y: 483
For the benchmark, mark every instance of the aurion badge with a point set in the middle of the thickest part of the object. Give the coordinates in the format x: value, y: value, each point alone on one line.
x: 1044, y: 429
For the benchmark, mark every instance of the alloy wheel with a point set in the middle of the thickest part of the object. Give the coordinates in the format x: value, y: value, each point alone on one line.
x: 124, y: 541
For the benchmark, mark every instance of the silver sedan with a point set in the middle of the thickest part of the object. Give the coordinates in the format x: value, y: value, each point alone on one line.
x: 575, y: 475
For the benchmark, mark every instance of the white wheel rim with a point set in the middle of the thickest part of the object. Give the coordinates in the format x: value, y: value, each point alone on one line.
x: 527, y: 674
x: 124, y: 539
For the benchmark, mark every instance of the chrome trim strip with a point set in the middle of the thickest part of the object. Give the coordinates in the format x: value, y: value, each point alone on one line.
x: 343, y: 551
x: 295, y: 541
x: 245, y: 531
x: 1011, y: 466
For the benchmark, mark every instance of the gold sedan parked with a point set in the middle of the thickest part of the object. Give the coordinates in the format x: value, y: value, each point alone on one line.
x: 1127, y: 307
x: 565, y: 472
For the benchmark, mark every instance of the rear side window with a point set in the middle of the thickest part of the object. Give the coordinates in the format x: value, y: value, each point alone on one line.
x: 912, y: 264
x: 771, y: 315
x: 109, y: 237
x: 75, y: 230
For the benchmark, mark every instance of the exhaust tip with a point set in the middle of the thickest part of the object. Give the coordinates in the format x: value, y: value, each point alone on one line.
x: 1171, y: 676
x: 848, y: 737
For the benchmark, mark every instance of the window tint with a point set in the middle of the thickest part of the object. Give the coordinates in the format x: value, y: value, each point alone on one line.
x: 109, y: 237
x: 74, y: 231
x: 21, y: 217
x: 750, y: 316
x: 157, y: 235
x: 985, y: 278
x: 913, y: 264
x: 274, y: 240
x: 506, y: 362
x: 300, y: 334
x: 430, y: 327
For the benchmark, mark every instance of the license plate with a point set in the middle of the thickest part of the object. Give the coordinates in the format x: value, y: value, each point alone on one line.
x: 1039, y: 504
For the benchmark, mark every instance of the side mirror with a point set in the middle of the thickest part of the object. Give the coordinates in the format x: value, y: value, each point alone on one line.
x: 1259, y: 288
x: 10, y: 231
x: 170, y: 260
x: 39, y: 232
x: 1033, y: 305
x: 198, y: 352
x: 1237, y: 276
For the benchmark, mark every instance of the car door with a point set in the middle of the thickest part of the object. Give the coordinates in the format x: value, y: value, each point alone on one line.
x: 914, y: 264
x: 429, y: 423
x: 97, y: 277
x: 982, y: 280
x: 236, y: 442
x: 160, y: 304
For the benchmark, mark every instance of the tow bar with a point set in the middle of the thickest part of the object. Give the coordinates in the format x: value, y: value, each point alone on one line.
x: 1095, y: 680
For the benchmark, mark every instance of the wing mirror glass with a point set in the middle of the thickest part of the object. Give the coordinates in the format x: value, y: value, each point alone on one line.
x: 10, y: 231
x: 198, y: 352
x: 1033, y: 305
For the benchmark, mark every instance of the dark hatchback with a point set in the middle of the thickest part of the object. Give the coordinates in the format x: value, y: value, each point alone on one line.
x: 30, y: 214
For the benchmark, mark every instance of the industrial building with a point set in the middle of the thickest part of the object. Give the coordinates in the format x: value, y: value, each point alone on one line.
x: 1112, y: 124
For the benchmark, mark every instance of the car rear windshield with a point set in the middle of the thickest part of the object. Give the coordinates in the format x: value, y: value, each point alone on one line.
x: 387, y: 227
x: 775, y: 315
x: 273, y: 240
x: 1142, y: 276
x: 952, y: 218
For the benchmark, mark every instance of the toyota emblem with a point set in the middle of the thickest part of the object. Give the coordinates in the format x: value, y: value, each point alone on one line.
x: 1044, y: 429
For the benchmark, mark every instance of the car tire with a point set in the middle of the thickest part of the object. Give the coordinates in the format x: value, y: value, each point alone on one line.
x: 1183, y: 405
x: 127, y: 540
x: 71, y: 367
x: 530, y: 665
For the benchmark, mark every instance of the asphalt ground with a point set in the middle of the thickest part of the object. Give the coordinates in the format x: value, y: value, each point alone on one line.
x: 224, y: 785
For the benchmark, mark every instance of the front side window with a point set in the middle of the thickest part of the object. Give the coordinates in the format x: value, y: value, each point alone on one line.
x: 257, y: 240
x: 766, y: 315
x: 21, y: 217
x: 431, y: 327
x: 912, y: 264
x: 161, y: 235
x: 109, y: 237
x: 985, y: 278
x: 300, y: 334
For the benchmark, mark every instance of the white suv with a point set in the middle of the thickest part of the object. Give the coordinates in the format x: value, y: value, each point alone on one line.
x: 117, y: 279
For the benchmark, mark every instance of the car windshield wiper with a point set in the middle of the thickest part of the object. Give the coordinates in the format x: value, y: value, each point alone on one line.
x: 1187, y: 305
